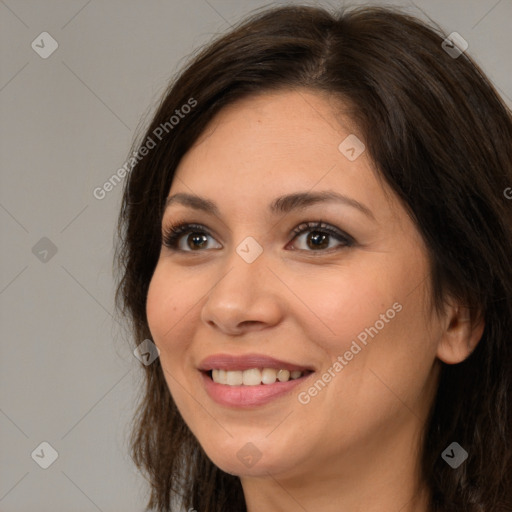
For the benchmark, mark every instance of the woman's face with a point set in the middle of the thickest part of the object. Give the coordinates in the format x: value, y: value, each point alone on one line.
x: 303, y: 272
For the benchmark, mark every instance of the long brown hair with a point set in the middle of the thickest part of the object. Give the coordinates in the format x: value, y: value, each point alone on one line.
x: 440, y: 136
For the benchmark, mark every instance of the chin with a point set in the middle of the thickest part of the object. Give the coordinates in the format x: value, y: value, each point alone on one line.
x: 244, y: 457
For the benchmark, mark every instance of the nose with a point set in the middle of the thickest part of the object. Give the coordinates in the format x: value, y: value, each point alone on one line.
x: 245, y: 298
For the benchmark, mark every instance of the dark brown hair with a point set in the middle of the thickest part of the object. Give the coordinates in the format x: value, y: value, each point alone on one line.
x: 440, y: 136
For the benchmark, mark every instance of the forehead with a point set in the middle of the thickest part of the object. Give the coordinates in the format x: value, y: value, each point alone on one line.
x: 301, y: 120
x: 277, y: 143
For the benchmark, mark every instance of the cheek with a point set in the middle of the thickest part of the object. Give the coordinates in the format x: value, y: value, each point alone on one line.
x: 343, y: 302
x: 374, y: 317
x: 167, y: 306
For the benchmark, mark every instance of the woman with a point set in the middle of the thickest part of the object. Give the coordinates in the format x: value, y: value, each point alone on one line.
x: 318, y: 242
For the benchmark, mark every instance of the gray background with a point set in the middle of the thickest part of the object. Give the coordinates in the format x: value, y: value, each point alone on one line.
x: 67, y: 373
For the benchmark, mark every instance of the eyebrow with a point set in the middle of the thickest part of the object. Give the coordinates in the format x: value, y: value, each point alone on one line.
x: 282, y: 204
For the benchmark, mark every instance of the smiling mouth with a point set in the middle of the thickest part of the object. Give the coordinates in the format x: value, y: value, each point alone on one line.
x: 255, y: 376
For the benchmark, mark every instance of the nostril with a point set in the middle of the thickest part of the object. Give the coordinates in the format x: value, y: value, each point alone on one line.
x: 248, y: 323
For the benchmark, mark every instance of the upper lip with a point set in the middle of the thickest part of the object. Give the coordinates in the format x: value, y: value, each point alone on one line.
x: 246, y: 362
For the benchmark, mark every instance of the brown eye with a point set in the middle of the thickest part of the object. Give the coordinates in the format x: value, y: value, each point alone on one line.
x: 196, y: 241
x: 188, y: 238
x: 317, y: 240
x: 320, y: 237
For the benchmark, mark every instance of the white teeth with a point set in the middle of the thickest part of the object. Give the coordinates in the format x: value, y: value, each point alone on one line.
x: 251, y: 377
x: 254, y: 376
x: 222, y: 377
x: 268, y: 375
x: 234, y: 378
x: 283, y: 375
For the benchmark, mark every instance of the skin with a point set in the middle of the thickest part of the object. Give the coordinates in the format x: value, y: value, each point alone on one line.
x: 355, y: 445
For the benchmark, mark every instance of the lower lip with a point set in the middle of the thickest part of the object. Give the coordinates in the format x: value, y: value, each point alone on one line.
x: 248, y: 396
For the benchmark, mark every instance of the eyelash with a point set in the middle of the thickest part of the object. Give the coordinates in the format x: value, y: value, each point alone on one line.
x: 173, y: 233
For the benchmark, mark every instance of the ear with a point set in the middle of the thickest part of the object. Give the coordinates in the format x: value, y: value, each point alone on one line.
x: 461, y: 334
